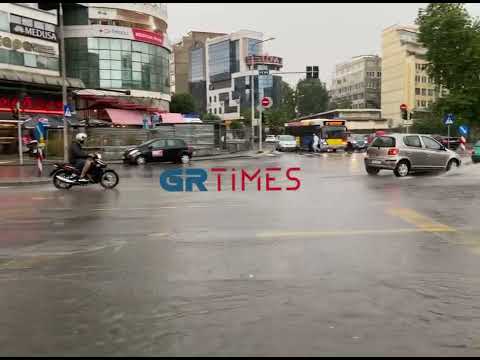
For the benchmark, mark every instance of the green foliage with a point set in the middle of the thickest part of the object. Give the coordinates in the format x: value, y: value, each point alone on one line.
x: 280, y: 113
x: 182, y: 103
x: 452, y: 39
x: 237, y: 124
x: 311, y: 97
x: 209, y: 117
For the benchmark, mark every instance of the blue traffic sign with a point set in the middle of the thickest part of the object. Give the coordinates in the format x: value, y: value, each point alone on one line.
x: 449, y: 119
x: 463, y: 129
x: 67, y: 110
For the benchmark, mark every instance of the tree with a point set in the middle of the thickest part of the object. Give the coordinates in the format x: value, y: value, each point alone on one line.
x: 452, y: 39
x: 209, y: 117
x: 182, y: 103
x: 311, y: 97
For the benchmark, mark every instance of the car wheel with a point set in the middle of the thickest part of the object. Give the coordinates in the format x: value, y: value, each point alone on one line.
x: 402, y: 169
x: 140, y: 160
x: 372, y: 170
x: 452, y: 164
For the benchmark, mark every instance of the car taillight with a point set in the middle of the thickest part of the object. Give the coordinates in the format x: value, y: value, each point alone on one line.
x: 393, y: 151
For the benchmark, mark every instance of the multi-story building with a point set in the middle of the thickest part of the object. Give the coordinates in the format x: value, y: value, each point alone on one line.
x: 189, y: 66
x: 29, y: 67
x: 357, y: 83
x: 404, y: 76
x: 231, y: 61
x: 121, y: 47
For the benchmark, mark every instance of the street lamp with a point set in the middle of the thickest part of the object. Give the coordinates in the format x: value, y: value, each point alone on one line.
x: 252, y: 100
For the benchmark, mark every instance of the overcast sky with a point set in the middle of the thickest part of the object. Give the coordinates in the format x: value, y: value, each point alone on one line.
x: 305, y: 33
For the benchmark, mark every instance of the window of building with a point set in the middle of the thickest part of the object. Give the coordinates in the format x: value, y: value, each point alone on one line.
x: 418, y: 103
x: 4, y: 24
x: 379, y: 74
x: 215, y: 98
x: 423, y: 103
x: 417, y: 91
x: 253, y: 47
x: 30, y: 60
x: 219, y: 110
x: 197, y: 65
x: 430, y: 92
x: 219, y: 61
x: 15, y: 19
x: 417, y: 78
x: 210, y: 99
x: 215, y: 110
x: 424, y: 92
x: 424, y: 79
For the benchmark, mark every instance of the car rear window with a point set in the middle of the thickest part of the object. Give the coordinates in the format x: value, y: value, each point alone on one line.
x: 384, y: 141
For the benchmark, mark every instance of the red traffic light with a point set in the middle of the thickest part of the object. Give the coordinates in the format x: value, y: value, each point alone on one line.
x: 403, y: 107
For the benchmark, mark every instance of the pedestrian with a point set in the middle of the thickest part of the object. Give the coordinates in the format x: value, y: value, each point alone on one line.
x: 316, y: 141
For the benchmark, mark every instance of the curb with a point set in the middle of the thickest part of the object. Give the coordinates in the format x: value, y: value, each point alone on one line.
x: 25, y: 182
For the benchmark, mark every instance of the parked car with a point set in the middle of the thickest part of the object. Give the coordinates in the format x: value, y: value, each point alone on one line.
x: 453, y: 144
x: 405, y: 153
x: 286, y: 142
x: 476, y: 152
x: 271, y: 139
x: 175, y: 150
x: 357, y: 142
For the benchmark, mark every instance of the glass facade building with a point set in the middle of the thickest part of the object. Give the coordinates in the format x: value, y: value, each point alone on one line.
x: 118, y: 64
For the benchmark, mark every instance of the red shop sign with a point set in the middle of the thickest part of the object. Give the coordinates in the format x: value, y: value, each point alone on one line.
x: 148, y: 36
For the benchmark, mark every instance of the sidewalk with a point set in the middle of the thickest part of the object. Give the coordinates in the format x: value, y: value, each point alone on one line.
x: 14, y: 175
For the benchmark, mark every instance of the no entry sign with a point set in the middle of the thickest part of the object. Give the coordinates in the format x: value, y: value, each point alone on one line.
x: 266, y: 102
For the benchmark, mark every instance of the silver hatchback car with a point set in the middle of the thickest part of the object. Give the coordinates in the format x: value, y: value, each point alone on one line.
x: 404, y: 153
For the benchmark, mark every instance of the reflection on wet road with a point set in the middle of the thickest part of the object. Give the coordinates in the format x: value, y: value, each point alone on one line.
x: 349, y: 264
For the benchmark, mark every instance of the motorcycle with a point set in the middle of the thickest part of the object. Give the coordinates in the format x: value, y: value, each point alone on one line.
x: 65, y: 175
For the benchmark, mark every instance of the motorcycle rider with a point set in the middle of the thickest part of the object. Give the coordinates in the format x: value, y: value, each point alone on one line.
x: 79, y: 158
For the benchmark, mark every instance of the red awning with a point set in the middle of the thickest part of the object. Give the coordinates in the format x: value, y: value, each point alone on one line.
x: 125, y: 117
x: 171, y: 118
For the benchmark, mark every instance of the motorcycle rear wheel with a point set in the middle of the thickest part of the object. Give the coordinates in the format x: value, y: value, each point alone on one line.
x: 109, y: 179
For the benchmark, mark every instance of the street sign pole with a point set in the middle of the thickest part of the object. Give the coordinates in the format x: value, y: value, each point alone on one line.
x: 448, y: 136
x: 260, y: 149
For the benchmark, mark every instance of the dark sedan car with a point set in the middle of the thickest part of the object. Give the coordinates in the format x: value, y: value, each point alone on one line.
x: 357, y: 142
x: 174, y: 150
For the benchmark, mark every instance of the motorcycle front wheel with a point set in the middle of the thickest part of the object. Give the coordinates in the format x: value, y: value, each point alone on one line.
x: 109, y: 179
x: 59, y: 184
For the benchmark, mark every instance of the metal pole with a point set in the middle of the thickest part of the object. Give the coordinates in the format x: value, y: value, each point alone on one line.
x: 64, y: 82
x: 20, y: 147
x: 260, y: 129
x: 448, y: 136
x: 252, y: 100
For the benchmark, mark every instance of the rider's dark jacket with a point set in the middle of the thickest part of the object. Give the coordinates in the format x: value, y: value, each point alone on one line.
x: 77, y: 153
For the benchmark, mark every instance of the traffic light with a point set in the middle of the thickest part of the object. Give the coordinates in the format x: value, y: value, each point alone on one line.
x: 404, y: 114
x: 315, y: 72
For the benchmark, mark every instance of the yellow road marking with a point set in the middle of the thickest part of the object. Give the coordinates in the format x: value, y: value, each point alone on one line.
x: 350, y: 232
x: 419, y: 220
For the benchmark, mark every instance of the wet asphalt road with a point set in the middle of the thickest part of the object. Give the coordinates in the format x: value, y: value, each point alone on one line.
x: 348, y: 265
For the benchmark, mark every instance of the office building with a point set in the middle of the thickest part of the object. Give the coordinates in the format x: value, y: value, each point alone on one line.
x: 356, y: 83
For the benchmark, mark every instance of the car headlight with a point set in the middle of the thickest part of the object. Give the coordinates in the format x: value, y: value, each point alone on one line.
x: 133, y: 152
x: 99, y: 156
